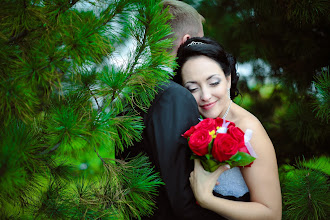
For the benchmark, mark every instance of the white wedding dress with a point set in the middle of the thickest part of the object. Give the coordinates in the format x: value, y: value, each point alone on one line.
x: 231, y: 183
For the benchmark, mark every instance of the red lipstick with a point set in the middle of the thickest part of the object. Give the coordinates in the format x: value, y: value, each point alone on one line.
x: 208, y: 106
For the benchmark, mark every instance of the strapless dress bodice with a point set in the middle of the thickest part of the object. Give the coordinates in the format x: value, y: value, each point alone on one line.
x: 231, y: 183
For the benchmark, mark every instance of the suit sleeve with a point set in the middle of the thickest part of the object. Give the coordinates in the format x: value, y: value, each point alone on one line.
x: 174, y: 113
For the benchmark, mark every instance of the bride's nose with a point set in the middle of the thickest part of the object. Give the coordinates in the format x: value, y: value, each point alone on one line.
x: 206, y: 94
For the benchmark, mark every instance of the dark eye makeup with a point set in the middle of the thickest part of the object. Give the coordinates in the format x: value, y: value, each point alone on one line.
x: 191, y: 89
x: 212, y: 81
x: 215, y: 83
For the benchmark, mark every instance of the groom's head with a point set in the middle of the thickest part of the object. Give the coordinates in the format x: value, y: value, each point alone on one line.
x: 186, y: 22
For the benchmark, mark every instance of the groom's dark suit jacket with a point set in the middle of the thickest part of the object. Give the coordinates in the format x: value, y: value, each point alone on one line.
x: 173, y: 111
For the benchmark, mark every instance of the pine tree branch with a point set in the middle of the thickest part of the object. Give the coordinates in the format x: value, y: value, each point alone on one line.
x: 113, y: 96
x: 92, y: 94
x: 51, y: 150
x: 117, y: 11
x: 40, y: 69
x: 310, y: 205
x: 141, y: 49
x: 143, y: 46
x: 25, y: 32
x: 103, y: 161
x: 137, y: 56
x: 74, y: 2
x: 55, y: 147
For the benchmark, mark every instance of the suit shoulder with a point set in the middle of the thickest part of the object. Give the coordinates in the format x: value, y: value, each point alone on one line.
x: 174, y: 89
x: 170, y: 85
x: 174, y: 96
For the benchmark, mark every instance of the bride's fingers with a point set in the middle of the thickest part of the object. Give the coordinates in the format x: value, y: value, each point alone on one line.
x: 215, y: 175
x: 220, y: 170
x: 197, y: 164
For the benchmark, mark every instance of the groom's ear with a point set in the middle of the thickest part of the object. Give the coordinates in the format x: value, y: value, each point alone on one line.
x: 178, y: 43
x: 184, y: 38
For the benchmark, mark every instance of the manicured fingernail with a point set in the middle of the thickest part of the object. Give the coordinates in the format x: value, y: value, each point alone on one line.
x: 228, y: 166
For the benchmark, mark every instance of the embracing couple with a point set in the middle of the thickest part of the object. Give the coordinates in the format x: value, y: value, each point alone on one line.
x: 204, y: 84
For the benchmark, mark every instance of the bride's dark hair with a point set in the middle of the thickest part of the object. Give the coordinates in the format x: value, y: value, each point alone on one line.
x: 198, y: 46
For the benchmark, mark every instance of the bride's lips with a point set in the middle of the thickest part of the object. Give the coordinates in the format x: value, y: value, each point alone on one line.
x: 208, y: 106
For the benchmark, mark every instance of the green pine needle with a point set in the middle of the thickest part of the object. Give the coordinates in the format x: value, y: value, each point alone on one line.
x: 322, y: 103
x: 305, y: 193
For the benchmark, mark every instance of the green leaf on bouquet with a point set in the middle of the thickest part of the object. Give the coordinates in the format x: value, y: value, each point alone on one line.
x: 210, y: 147
x: 205, y: 157
x: 241, y: 159
x: 194, y: 156
x: 208, y: 162
x: 210, y: 165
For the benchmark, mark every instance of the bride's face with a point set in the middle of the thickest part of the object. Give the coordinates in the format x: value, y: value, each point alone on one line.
x: 204, y: 78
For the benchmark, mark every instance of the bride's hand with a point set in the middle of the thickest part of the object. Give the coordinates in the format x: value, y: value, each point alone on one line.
x: 202, y: 182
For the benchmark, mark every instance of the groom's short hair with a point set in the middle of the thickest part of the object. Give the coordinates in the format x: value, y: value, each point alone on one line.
x: 185, y: 19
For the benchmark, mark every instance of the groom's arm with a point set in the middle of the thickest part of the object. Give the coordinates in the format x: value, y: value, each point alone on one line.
x: 171, y: 115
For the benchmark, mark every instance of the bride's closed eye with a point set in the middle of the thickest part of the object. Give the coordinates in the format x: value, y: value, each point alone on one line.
x: 214, y: 80
x: 192, y: 89
x: 215, y: 83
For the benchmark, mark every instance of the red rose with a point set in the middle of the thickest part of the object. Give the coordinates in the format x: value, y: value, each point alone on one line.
x: 224, y: 147
x: 199, y: 141
x: 219, y: 123
x: 236, y: 133
x: 242, y: 147
x: 189, y: 132
x: 207, y: 123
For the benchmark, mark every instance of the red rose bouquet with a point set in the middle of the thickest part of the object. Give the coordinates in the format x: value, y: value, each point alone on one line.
x: 217, y: 142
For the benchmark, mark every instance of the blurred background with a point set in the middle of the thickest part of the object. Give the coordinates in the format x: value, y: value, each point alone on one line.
x: 282, y: 49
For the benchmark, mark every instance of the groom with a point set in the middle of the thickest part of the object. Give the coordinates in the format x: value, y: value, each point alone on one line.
x: 173, y: 111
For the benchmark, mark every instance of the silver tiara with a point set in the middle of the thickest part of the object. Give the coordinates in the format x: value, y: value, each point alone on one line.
x: 194, y: 43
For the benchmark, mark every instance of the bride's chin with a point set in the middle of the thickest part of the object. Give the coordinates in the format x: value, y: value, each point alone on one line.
x: 210, y: 115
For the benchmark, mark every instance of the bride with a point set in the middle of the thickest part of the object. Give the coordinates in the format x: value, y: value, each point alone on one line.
x: 209, y: 73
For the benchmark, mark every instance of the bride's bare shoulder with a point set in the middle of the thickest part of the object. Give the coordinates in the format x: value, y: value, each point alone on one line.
x: 260, y: 139
x: 246, y: 120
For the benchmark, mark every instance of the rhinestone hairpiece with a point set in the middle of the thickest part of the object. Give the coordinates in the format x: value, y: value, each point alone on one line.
x: 194, y: 43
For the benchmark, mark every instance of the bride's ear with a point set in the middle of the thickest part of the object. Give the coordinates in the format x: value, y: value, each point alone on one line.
x: 228, y: 78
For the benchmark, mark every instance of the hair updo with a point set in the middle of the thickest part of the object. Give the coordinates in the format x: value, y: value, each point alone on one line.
x: 203, y: 46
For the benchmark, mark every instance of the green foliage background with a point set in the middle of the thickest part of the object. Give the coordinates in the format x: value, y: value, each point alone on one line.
x: 68, y: 106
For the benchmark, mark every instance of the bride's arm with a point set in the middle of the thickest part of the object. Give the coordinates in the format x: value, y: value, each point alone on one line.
x: 261, y: 179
